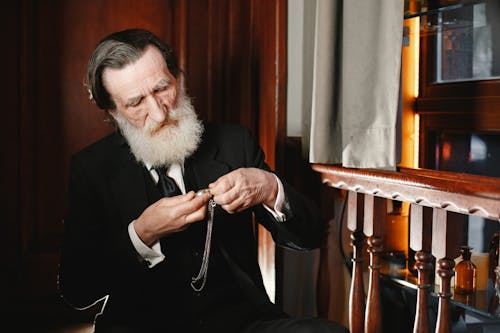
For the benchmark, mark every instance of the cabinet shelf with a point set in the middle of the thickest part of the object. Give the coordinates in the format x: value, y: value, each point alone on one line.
x: 420, y: 8
x: 481, y: 302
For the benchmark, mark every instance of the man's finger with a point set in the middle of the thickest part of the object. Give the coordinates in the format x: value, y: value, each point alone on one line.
x: 190, y: 206
x: 228, y: 197
x: 196, y: 216
x: 220, y: 186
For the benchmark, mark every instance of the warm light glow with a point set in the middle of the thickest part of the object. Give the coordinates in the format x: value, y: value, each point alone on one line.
x: 446, y: 151
x: 416, y: 139
x: 415, y: 46
x: 415, y: 42
x: 481, y: 260
x: 410, y: 91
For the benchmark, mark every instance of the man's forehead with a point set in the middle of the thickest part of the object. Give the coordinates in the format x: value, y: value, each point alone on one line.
x: 146, y: 72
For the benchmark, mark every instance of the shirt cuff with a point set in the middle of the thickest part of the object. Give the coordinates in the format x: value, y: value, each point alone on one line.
x: 279, y: 203
x: 151, y: 255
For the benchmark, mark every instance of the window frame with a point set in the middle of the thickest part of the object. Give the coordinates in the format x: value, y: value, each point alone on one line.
x: 465, y: 106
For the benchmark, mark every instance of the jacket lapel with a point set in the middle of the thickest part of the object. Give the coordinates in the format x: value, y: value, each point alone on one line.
x: 203, y: 168
x: 128, y: 184
x: 130, y: 181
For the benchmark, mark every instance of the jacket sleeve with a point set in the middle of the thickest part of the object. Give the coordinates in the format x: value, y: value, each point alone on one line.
x: 303, y: 228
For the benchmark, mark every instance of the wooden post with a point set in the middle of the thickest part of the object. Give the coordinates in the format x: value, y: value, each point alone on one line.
x: 445, y: 243
x: 374, y: 223
x: 357, y: 293
x: 420, y: 241
x: 451, y: 196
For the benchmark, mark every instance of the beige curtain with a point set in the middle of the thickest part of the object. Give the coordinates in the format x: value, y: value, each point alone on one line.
x: 355, y: 89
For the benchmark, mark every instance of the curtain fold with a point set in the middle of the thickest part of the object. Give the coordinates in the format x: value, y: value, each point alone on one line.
x: 355, y: 89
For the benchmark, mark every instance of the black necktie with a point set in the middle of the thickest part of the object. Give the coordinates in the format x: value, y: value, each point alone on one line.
x: 166, y: 184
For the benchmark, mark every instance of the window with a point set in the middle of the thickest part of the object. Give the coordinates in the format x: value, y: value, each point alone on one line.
x: 458, y: 99
x: 459, y: 75
x: 465, y: 40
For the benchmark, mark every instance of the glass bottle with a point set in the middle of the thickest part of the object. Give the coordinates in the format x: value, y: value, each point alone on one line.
x: 465, y: 273
x: 396, y: 236
x: 397, y: 229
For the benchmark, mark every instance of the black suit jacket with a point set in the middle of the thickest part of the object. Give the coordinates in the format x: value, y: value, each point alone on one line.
x: 109, y: 189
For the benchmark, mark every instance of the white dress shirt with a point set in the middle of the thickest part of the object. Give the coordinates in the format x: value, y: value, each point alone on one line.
x: 155, y: 254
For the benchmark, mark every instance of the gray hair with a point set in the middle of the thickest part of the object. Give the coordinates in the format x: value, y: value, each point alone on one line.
x: 118, y: 50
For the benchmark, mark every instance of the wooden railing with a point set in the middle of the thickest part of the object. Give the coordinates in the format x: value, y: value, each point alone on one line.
x: 444, y: 193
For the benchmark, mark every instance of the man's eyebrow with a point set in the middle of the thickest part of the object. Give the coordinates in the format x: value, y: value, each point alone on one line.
x: 136, y: 99
x: 133, y: 100
x: 162, y: 84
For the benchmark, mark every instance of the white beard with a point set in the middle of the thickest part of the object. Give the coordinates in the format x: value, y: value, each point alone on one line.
x: 171, y: 144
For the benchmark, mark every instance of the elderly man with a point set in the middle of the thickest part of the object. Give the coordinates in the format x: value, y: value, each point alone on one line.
x: 165, y: 258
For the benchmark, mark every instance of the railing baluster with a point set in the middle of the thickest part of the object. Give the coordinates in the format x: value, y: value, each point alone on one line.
x: 446, y: 238
x: 424, y: 267
x: 420, y: 241
x: 374, y: 222
x: 445, y: 272
x: 357, y: 294
x: 447, y: 194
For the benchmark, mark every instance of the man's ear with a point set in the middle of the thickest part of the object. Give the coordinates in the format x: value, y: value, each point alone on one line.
x: 112, y: 112
x: 111, y: 115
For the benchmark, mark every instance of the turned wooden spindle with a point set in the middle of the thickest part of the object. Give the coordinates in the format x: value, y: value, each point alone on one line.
x: 373, y: 318
x: 357, y: 295
x: 446, y: 193
x: 374, y: 223
x: 355, y: 217
x: 446, y: 237
x: 445, y: 272
x: 421, y: 242
x: 423, y: 264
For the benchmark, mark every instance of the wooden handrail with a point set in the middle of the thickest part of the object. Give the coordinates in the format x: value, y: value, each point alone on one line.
x: 465, y: 194
x: 443, y: 192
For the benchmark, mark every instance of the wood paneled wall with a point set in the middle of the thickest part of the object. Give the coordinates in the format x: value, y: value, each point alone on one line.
x: 233, y: 56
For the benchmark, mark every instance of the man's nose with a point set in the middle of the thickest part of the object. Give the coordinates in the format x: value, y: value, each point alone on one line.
x: 156, y: 110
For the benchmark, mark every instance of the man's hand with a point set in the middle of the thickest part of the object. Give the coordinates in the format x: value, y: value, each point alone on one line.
x: 244, y: 188
x: 170, y: 215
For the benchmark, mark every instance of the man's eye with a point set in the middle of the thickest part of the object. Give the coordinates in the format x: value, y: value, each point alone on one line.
x: 162, y: 88
x: 135, y: 103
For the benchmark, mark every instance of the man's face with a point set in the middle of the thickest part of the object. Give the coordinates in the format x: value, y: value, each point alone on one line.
x: 152, y: 111
x: 144, y: 92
